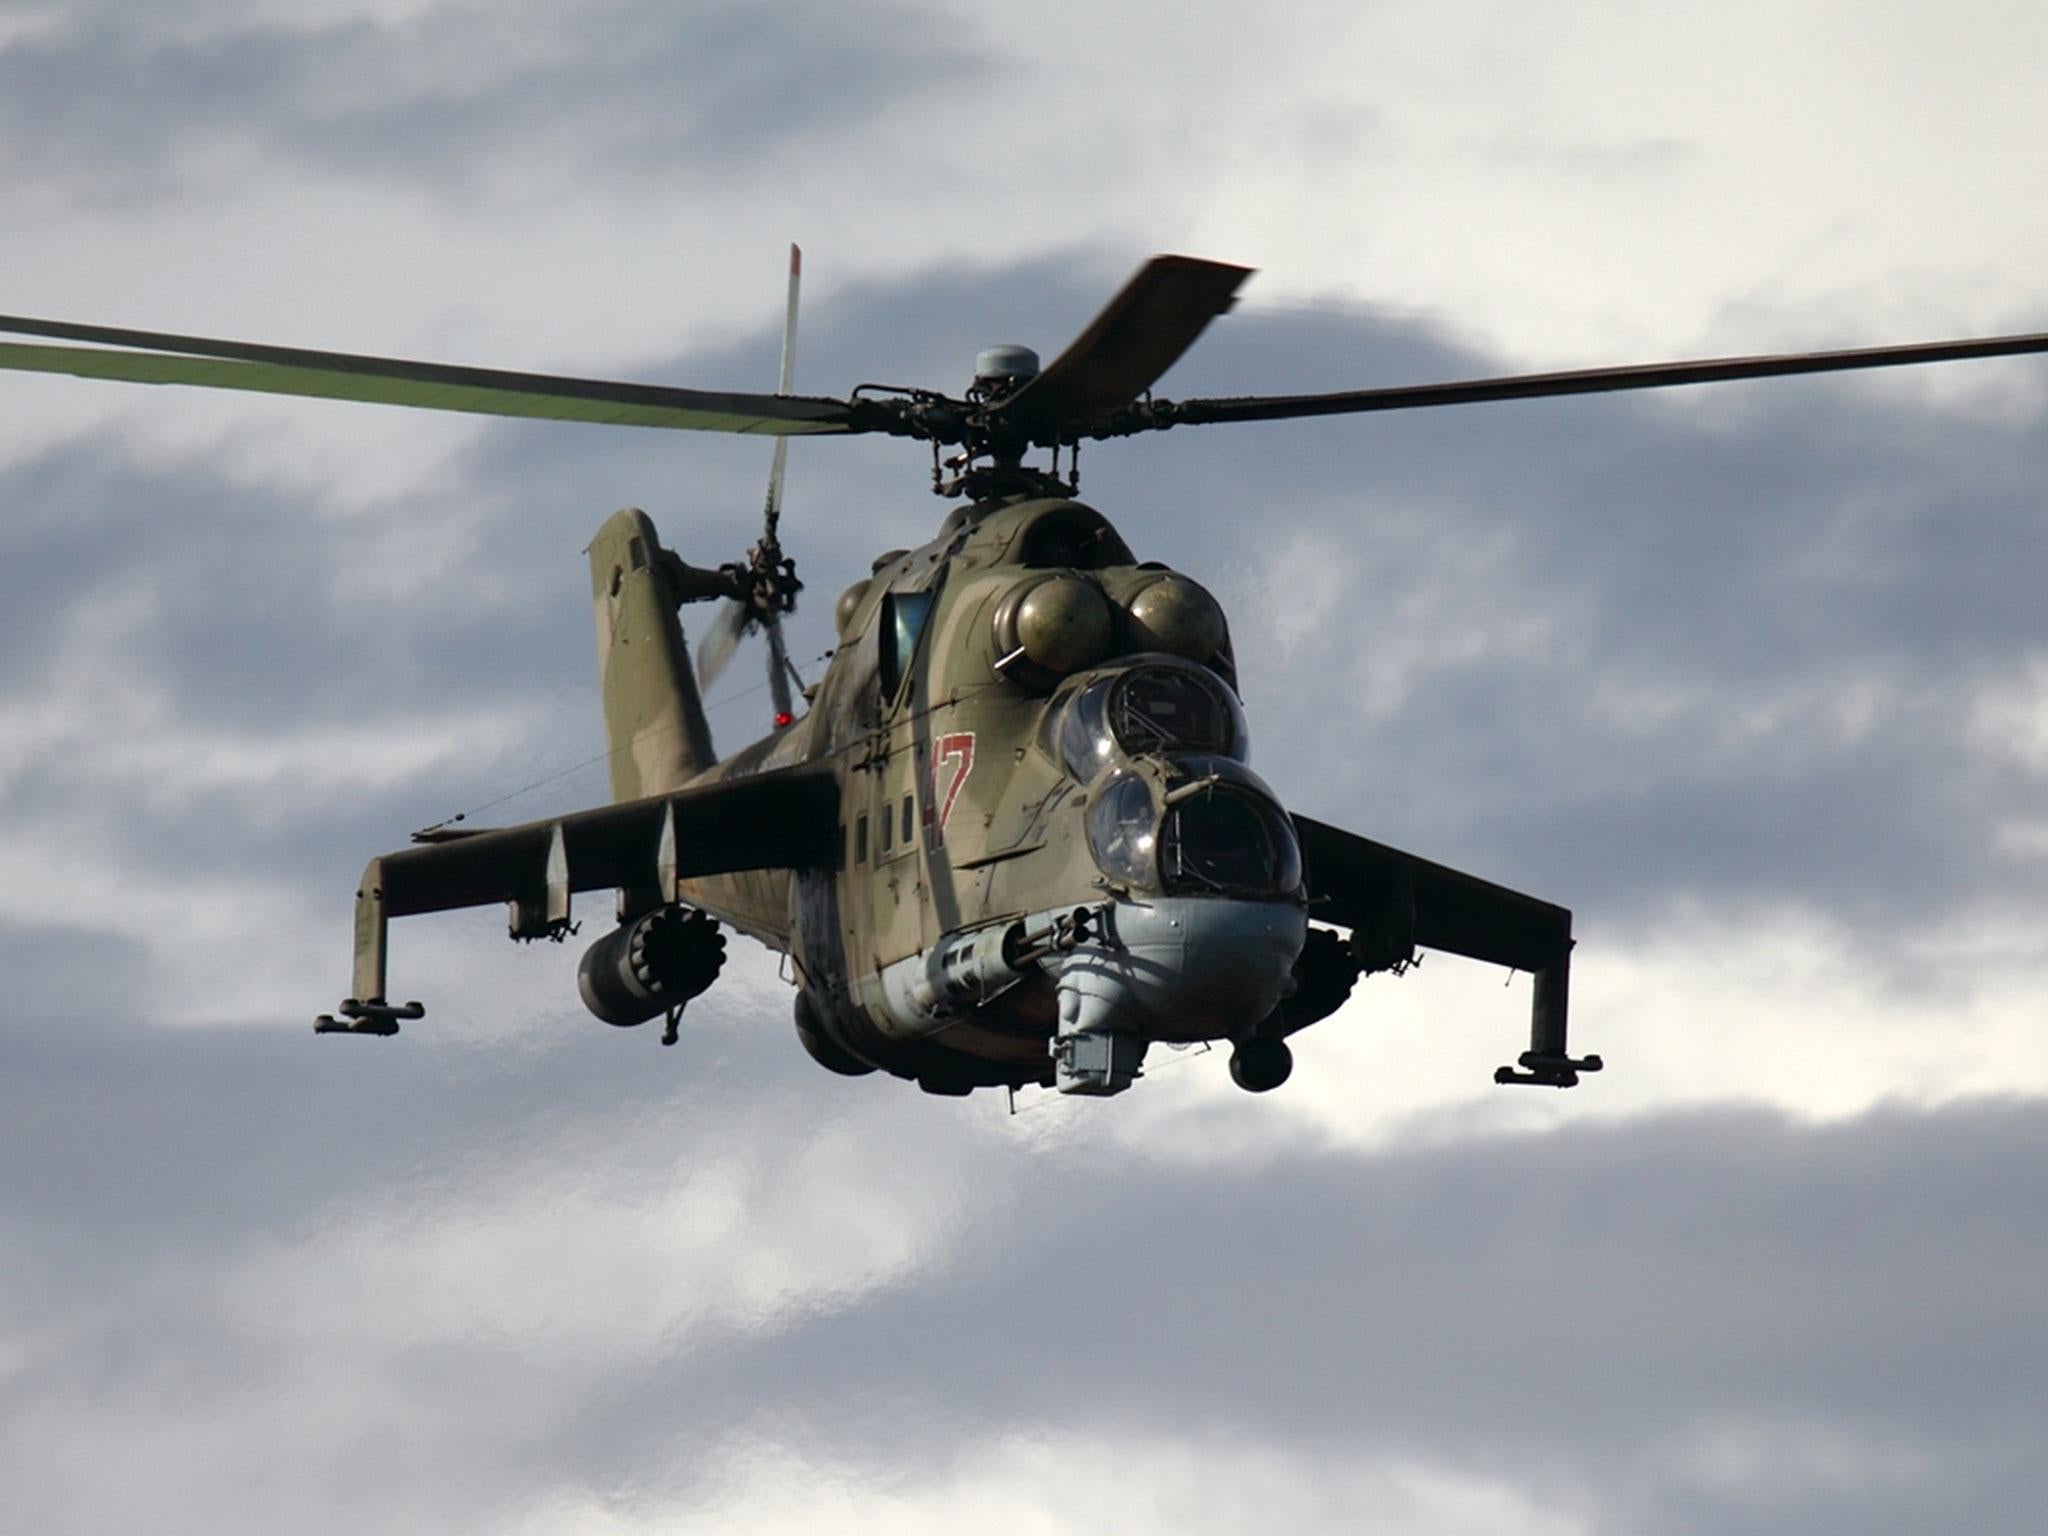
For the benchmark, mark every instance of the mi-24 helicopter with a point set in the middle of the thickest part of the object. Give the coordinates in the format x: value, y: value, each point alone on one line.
x: 1012, y: 839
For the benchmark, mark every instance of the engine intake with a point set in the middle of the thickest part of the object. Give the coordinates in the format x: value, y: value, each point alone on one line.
x: 650, y: 965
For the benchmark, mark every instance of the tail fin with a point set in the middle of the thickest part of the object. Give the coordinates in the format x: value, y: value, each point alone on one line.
x: 653, y: 718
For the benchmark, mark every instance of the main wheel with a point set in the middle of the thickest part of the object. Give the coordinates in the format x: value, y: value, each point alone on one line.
x: 1259, y: 1066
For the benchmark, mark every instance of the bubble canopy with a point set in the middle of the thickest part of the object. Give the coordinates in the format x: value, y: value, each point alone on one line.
x: 1193, y: 824
x: 1155, y: 704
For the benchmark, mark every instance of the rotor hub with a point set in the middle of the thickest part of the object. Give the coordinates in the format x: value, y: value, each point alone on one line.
x: 1002, y: 370
x: 765, y: 584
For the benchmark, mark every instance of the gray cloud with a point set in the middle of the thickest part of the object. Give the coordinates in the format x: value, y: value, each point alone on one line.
x: 1572, y: 1310
x: 459, y: 96
x: 1848, y: 1312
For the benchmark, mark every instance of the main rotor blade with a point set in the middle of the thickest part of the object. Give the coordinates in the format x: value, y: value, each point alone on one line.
x: 1582, y: 381
x: 160, y: 358
x: 1138, y: 336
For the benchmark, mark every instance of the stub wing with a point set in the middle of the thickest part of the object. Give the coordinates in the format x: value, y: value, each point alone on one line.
x: 787, y: 819
x: 1394, y: 902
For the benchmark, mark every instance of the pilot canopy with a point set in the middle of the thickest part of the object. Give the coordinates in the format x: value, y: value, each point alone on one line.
x: 1156, y: 704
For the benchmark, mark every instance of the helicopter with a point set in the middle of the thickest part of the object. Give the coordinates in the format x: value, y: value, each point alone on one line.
x: 1013, y: 837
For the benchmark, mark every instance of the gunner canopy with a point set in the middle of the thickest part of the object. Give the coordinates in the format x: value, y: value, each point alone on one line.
x: 1215, y: 830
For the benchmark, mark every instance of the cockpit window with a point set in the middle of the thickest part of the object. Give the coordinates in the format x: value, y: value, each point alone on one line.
x: 1163, y: 709
x: 1224, y: 833
x: 1123, y: 831
x: 903, y: 619
x: 1154, y: 707
x: 1081, y: 728
x: 1219, y: 831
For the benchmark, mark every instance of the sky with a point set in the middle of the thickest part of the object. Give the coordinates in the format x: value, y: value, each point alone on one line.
x: 1753, y: 678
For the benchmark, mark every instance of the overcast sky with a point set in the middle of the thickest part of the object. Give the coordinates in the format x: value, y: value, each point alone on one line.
x: 1753, y: 678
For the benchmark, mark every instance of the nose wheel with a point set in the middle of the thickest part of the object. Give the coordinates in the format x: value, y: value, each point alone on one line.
x: 1260, y: 1066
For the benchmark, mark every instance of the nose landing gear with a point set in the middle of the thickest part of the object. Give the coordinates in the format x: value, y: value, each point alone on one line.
x: 1260, y: 1065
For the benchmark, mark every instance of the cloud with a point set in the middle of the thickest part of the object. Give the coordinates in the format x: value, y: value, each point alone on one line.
x: 453, y: 97
x: 429, y: 1279
x: 1614, y: 1316
x: 1060, y: 1482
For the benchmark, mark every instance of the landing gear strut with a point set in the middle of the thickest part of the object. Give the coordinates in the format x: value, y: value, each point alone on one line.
x: 1260, y: 1065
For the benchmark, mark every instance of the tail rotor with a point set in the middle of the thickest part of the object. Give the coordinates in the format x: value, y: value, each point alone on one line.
x: 768, y: 577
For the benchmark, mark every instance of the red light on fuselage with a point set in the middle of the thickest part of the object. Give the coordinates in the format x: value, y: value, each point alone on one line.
x: 784, y: 721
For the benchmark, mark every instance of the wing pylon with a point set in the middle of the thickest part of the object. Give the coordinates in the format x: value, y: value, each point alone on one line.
x: 1399, y: 902
x: 785, y: 819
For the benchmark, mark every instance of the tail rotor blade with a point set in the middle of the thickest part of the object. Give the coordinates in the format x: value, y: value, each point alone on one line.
x: 787, y: 378
x: 769, y: 572
x: 720, y: 639
x: 779, y: 673
x: 779, y: 669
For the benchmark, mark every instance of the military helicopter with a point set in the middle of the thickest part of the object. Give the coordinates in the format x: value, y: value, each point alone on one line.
x: 1012, y: 838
